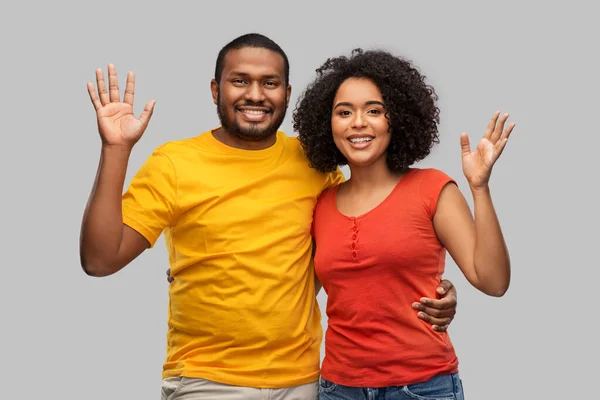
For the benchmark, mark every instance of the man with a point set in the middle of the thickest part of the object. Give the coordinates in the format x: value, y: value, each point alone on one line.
x: 235, y: 204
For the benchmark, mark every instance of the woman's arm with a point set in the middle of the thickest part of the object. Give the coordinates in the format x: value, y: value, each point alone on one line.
x: 475, y: 244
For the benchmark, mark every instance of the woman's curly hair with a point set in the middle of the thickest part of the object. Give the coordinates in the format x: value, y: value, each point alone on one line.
x: 410, y: 103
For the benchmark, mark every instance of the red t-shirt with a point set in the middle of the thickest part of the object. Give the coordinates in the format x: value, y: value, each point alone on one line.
x: 373, y: 267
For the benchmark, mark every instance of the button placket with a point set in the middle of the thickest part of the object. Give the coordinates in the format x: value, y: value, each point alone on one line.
x: 354, y: 238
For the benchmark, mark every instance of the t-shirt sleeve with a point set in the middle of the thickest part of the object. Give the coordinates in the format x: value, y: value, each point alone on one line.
x: 149, y: 203
x: 432, y: 183
x: 335, y: 178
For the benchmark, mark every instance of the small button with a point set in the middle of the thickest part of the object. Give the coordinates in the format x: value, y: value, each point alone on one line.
x: 353, y: 237
x: 354, y: 254
x: 355, y: 229
x: 353, y: 245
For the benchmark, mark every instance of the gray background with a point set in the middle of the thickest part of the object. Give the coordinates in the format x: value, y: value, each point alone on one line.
x: 68, y: 335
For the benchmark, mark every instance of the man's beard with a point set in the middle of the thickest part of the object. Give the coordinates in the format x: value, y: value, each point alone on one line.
x: 253, y: 132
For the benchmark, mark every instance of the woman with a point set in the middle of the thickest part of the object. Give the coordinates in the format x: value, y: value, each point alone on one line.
x: 382, y: 236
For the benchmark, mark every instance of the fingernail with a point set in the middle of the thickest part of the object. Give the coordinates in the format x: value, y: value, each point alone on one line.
x: 440, y: 290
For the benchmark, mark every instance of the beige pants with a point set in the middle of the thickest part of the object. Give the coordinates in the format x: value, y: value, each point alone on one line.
x: 182, y: 388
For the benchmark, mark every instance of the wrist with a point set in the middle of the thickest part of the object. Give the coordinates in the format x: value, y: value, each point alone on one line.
x: 480, y: 189
x: 116, y: 148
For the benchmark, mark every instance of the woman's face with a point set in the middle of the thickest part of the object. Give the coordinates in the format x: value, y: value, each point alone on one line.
x: 360, y: 128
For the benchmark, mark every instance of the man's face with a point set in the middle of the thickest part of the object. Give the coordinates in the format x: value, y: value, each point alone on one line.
x: 252, y: 96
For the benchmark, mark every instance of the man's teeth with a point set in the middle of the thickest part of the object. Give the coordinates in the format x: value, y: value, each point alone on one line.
x: 254, y: 112
x: 361, y: 140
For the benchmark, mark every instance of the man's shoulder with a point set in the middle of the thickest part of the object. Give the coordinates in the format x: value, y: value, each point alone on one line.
x: 295, y: 152
x: 181, y: 146
x: 290, y: 140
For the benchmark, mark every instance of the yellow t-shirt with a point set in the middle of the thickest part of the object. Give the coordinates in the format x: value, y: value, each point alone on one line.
x: 237, y: 225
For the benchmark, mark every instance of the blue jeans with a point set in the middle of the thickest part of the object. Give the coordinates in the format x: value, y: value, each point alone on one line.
x: 441, y: 387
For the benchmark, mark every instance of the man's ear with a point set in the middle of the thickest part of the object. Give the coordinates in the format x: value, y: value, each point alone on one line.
x: 214, y: 88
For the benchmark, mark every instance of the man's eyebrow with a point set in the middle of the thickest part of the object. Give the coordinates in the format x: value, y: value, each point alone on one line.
x: 272, y: 76
x: 245, y: 74
x: 346, y: 104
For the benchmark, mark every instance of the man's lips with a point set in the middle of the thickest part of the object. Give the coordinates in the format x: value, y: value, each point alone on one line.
x: 254, y: 114
x: 254, y: 108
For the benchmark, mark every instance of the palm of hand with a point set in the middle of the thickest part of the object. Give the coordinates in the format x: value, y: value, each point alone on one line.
x: 118, y: 123
x: 477, y: 165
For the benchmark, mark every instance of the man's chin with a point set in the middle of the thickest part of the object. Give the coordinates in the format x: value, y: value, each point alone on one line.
x: 254, y: 131
x: 246, y: 125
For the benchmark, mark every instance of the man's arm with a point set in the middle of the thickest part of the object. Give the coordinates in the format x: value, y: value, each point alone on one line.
x: 318, y: 284
x: 438, y: 312
x: 106, y: 244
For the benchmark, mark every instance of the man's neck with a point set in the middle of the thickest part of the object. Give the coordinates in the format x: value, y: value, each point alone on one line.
x: 235, y: 141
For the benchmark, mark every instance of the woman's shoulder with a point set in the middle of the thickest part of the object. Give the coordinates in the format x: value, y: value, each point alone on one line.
x: 431, y: 173
x: 430, y: 176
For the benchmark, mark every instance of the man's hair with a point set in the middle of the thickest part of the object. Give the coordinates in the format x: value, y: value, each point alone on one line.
x: 255, y: 40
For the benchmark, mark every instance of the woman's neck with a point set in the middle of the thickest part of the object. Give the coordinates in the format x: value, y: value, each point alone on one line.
x: 371, y: 177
